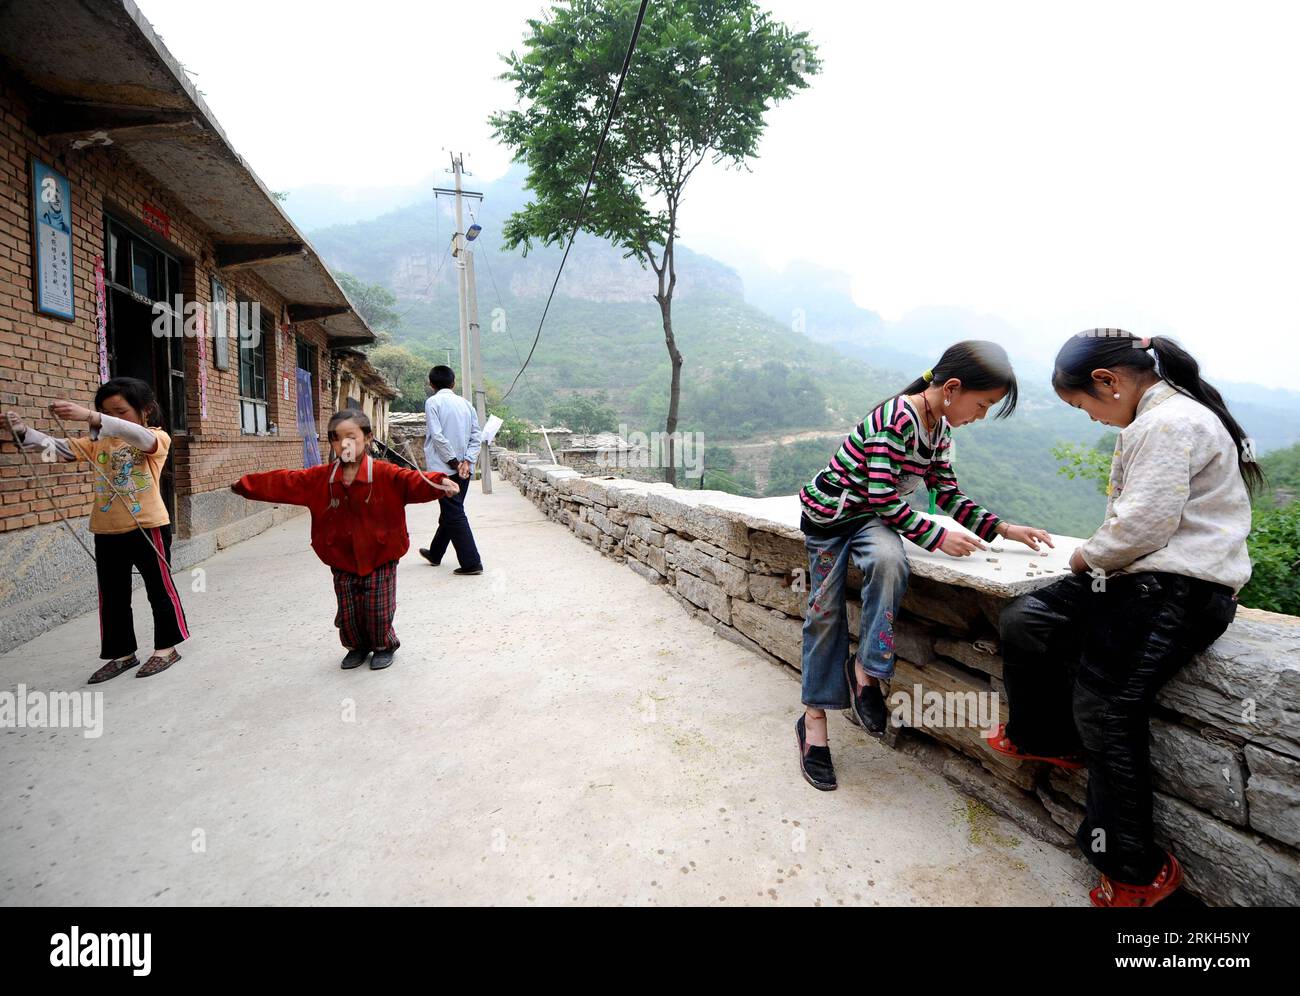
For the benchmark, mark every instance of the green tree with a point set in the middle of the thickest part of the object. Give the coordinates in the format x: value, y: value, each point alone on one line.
x: 1274, y: 544
x: 704, y: 75
x: 404, y: 371
x: 584, y: 414
x: 514, y: 433
x: 794, y: 464
x: 374, y: 302
x: 1087, y: 463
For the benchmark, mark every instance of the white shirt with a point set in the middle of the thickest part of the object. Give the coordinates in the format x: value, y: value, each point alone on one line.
x: 451, y: 432
x: 1177, y: 499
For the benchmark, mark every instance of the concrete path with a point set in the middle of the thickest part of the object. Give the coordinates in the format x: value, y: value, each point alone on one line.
x: 553, y: 731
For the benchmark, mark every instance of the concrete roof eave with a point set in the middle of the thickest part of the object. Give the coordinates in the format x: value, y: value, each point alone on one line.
x: 105, y: 78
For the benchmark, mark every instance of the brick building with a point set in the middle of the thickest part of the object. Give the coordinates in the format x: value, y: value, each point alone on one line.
x: 123, y: 205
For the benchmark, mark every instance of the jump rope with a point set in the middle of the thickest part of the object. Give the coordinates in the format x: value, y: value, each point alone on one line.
x: 40, y: 479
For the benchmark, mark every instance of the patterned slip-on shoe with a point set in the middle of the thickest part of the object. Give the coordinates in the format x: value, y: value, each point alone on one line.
x: 112, y: 669
x: 156, y: 664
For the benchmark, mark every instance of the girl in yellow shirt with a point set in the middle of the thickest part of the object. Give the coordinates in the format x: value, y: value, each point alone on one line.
x: 129, y: 520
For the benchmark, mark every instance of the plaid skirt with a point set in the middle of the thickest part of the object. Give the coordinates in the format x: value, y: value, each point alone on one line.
x: 366, y: 608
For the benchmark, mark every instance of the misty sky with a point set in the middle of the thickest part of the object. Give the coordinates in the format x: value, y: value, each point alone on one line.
x: 1059, y: 165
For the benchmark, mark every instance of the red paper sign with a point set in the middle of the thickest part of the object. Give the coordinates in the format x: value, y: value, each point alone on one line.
x: 157, y: 219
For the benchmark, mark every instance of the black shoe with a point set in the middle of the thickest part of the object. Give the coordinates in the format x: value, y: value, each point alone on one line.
x: 469, y: 570
x: 428, y: 555
x: 354, y: 658
x: 814, y: 762
x: 381, y: 659
x: 868, y: 705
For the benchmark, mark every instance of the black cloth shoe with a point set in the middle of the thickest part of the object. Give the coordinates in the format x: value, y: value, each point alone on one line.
x: 868, y: 704
x: 469, y: 570
x: 428, y: 555
x: 354, y: 658
x: 814, y: 762
x: 381, y: 659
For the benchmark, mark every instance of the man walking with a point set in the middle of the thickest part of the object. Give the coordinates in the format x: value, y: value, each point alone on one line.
x: 451, y: 445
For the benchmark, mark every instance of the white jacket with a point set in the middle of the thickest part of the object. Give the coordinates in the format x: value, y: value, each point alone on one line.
x: 1177, y: 499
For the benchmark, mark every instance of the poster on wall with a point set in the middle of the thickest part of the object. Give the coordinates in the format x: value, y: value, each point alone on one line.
x: 220, y: 332
x: 201, y: 333
x: 307, y: 420
x: 52, y: 239
x: 101, y: 318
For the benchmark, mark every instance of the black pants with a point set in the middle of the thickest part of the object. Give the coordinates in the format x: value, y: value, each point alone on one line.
x: 453, y: 528
x: 1082, y: 668
x: 115, y: 555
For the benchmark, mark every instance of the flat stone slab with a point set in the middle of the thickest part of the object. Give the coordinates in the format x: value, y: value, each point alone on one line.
x: 1006, y: 569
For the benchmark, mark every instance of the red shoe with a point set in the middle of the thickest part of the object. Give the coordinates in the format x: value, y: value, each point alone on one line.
x: 1112, y: 893
x: 998, y: 741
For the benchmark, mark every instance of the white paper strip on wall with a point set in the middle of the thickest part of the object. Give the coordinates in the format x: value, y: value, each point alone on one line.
x: 490, y: 428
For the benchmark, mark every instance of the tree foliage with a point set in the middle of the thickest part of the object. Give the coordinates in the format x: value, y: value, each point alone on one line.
x: 704, y: 75
x: 584, y: 414
x: 374, y: 302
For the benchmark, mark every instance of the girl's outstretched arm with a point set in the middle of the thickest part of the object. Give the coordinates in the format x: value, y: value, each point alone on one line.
x: 979, y: 520
x: 948, y: 496
x: 287, y: 487
x: 139, y: 436
x: 52, y: 449
x: 420, y: 487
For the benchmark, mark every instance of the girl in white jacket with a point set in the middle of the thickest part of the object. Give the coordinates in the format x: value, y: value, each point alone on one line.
x: 1156, y: 584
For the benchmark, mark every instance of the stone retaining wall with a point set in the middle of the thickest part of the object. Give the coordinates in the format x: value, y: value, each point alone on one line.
x: 1225, y: 745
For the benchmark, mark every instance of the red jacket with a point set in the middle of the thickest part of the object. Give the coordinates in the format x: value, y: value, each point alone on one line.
x: 356, y: 527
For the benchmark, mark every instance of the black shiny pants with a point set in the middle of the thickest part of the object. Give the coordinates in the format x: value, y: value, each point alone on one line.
x: 1083, y: 659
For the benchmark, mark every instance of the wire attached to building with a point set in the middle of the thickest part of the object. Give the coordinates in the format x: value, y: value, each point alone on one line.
x: 609, y: 118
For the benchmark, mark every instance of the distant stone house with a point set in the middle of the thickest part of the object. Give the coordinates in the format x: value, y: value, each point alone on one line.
x: 601, y: 453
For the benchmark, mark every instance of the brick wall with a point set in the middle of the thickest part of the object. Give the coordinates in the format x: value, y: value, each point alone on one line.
x: 44, y: 358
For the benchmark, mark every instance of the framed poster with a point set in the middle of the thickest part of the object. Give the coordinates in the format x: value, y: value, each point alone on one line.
x: 220, y: 331
x: 52, y: 241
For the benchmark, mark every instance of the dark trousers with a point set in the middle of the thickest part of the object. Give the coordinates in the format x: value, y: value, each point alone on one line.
x: 1082, y: 668
x: 115, y: 555
x: 453, y: 528
x: 366, y: 608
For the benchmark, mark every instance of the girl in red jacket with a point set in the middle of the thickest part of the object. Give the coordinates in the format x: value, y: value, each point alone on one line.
x: 358, y: 527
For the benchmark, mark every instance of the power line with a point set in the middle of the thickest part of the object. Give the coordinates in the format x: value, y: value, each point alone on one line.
x: 427, y: 287
x: 618, y: 90
x: 497, y: 291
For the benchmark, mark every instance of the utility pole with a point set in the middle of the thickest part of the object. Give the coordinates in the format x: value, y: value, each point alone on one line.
x: 476, y: 358
x: 472, y: 385
x: 457, y: 163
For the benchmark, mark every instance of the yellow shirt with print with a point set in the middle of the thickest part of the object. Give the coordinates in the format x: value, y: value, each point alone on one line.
x: 134, y: 479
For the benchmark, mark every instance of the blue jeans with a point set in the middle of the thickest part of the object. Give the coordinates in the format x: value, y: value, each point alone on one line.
x: 877, y: 551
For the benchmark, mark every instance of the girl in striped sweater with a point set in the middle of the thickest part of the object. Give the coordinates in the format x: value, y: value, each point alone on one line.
x: 855, y: 511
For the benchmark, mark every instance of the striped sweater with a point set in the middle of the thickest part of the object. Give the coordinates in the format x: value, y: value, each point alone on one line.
x: 884, y: 459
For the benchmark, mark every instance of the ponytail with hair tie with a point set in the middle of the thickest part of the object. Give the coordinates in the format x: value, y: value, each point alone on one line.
x: 1096, y: 349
